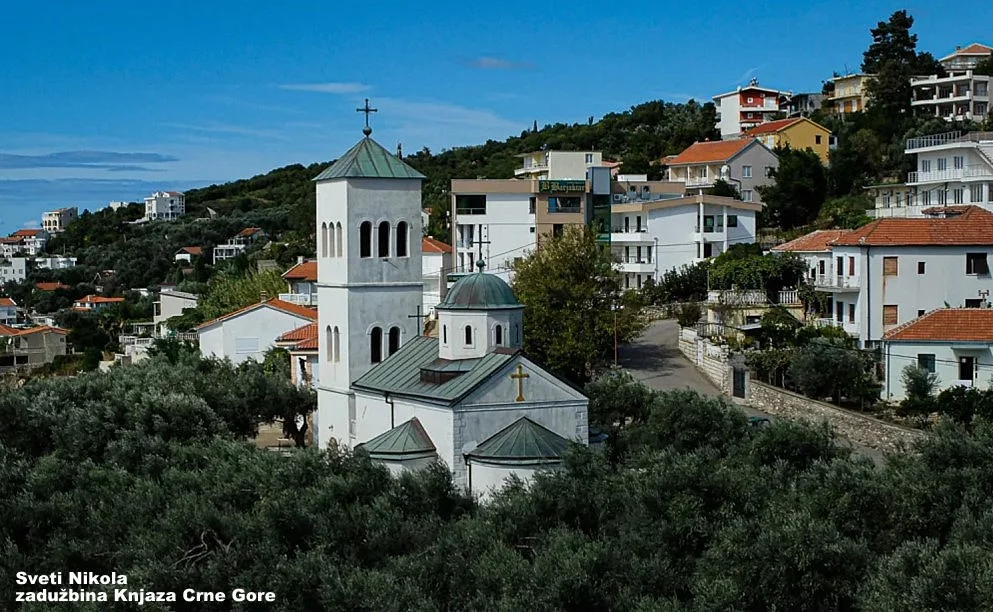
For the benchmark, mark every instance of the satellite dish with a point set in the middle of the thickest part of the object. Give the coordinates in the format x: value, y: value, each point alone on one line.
x: 725, y: 172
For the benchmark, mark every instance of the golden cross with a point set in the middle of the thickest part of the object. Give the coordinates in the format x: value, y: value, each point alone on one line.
x: 520, y: 376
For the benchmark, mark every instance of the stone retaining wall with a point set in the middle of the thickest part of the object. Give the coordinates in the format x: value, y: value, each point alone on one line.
x: 710, y: 359
x: 860, y: 429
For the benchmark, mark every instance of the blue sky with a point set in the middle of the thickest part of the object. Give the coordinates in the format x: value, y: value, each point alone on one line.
x: 112, y: 100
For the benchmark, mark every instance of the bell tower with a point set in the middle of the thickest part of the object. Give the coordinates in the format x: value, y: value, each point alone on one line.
x: 369, y: 273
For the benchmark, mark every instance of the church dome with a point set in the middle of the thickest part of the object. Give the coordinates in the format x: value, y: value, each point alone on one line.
x: 480, y: 291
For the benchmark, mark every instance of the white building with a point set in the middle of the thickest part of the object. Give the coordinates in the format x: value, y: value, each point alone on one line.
x: 651, y: 235
x: 117, y: 205
x: 13, y: 269
x: 961, y: 94
x: 56, y: 221
x: 954, y: 343
x: 376, y: 373
x: 557, y: 165
x: 301, y: 344
x: 815, y: 249
x: 952, y: 168
x: 34, y: 240
x: 746, y: 107
x: 172, y: 303
x: 57, y: 262
x: 301, y: 282
x: 747, y: 161
x: 893, y: 270
x: 492, y: 220
x: 96, y: 303
x: 251, y: 331
x: 8, y: 311
x: 165, y: 205
x: 187, y: 253
x: 436, y: 263
x: 892, y: 200
x: 238, y: 244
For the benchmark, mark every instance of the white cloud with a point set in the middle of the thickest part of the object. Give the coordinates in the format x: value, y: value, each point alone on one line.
x: 496, y: 63
x: 332, y: 88
x: 219, y: 128
x: 445, y: 124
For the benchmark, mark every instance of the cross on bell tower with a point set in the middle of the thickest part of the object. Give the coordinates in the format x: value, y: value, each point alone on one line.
x: 367, y: 110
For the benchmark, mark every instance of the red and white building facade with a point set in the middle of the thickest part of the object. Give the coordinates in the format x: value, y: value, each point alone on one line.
x: 746, y: 107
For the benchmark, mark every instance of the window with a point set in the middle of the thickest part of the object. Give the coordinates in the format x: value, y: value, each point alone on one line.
x: 627, y: 281
x: 958, y: 196
x: 817, y: 139
x: 708, y: 249
x: 942, y: 164
x: 468, y: 335
x: 751, y: 115
x: 975, y: 194
x: 532, y: 203
x: 517, y: 333
x: 589, y: 158
x: 498, y: 333
x: 365, y: 239
x: 329, y: 343
x: 974, y: 303
x: 376, y: 345
x: 444, y: 334
x: 330, y: 249
x: 851, y: 313
x: 942, y: 197
x: 920, y: 267
x: 967, y: 368
x: 920, y: 313
x: 637, y: 224
x: 748, y: 101
x: 851, y: 266
x: 839, y: 311
x: 337, y: 233
x: 336, y: 342
x: 324, y: 239
x: 925, y: 165
x: 958, y: 162
x: 746, y: 172
x: 926, y: 198
x: 975, y: 263
x: 746, y: 195
x: 384, y: 239
x: 768, y: 171
x: 532, y: 229
x: 557, y: 230
x: 925, y: 361
x: 732, y: 220
x: 470, y: 205
x: 402, y: 239
x: 890, y: 314
x: 567, y: 204
x: 244, y: 346
x: 394, y: 340
x: 890, y: 266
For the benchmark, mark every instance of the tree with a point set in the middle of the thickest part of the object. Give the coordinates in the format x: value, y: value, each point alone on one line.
x: 984, y: 67
x: 829, y: 368
x: 919, y: 385
x: 798, y: 191
x: 893, y: 59
x: 572, y: 291
x: 724, y: 189
x: 845, y: 212
x: 891, y: 42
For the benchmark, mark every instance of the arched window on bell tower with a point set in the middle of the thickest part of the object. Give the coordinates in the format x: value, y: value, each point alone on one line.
x: 376, y: 345
x: 365, y: 239
x: 329, y: 342
x: 384, y: 239
x: 402, y: 239
x: 324, y: 239
x: 337, y: 345
x: 468, y: 335
x: 394, y: 340
x: 330, y: 245
x: 337, y: 235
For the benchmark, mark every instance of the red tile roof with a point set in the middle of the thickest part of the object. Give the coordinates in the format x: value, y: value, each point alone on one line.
x: 432, y: 245
x: 287, y: 307
x: 305, y: 337
x: 716, y: 151
x: 975, y: 49
x: 818, y: 241
x: 948, y: 324
x: 175, y: 193
x: 6, y: 301
x: 97, y: 299
x: 12, y: 240
x: 50, y: 286
x: 6, y: 330
x: 770, y: 127
x: 43, y: 328
x: 249, y: 231
x: 192, y: 250
x: 973, y: 227
x: 27, y: 232
x: 306, y: 271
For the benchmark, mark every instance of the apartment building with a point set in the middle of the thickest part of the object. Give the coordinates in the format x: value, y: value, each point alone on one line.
x: 165, y: 205
x: 745, y: 163
x: 746, y: 107
x: 13, y: 269
x: 659, y: 231
x: 238, y: 244
x: 894, y: 270
x: 557, y: 165
x: 56, y: 221
x: 171, y: 303
x: 850, y: 93
x: 960, y: 93
x: 892, y: 200
x: 799, y: 133
x: 802, y: 104
x: 493, y: 220
x: 814, y: 249
x: 952, y: 169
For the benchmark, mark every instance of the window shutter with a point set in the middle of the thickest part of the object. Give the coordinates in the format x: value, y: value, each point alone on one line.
x: 889, y: 266
x: 890, y: 314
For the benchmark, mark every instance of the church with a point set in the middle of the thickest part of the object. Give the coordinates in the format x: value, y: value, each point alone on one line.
x: 467, y: 397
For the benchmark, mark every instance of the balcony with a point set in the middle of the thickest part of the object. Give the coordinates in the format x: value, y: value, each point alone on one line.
x: 623, y: 234
x: 529, y: 169
x: 637, y: 266
x: 698, y: 181
x: 937, y: 140
x: 829, y: 282
x: 709, y: 234
x: 850, y: 328
x: 754, y: 106
x: 956, y: 174
x: 752, y: 297
x: 301, y: 299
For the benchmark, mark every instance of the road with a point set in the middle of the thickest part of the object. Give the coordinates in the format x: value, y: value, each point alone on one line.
x: 655, y: 360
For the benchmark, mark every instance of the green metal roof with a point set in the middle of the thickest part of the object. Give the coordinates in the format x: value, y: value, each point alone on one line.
x: 400, y: 373
x: 523, y: 441
x: 368, y: 159
x: 479, y: 291
x: 404, y: 441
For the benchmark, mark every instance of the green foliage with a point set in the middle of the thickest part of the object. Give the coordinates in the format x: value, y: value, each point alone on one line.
x: 779, y: 327
x: 689, y: 314
x: 984, y: 67
x: 893, y: 58
x: 795, y: 197
x: 918, y: 382
x: 572, y: 291
x: 724, y: 189
x: 830, y: 368
x: 963, y: 404
x: 744, y: 267
x: 686, y: 284
x: 229, y: 292
x: 845, y: 212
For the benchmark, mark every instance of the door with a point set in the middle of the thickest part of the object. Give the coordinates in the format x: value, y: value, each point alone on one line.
x: 738, y: 382
x: 967, y: 370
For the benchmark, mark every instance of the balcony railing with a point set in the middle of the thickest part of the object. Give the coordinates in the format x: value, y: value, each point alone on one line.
x: 628, y: 230
x: 302, y: 299
x: 709, y: 229
x: 955, y: 174
x: 752, y: 297
x: 830, y: 281
x: 636, y: 260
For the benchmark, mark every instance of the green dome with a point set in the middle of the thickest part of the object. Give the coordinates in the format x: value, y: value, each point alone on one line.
x: 480, y: 291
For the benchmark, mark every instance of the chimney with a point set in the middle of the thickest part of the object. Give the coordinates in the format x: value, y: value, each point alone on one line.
x: 299, y: 259
x: 958, y: 48
x: 263, y: 296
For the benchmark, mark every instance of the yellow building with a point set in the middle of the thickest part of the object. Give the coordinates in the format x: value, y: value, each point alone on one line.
x: 850, y: 93
x: 800, y: 134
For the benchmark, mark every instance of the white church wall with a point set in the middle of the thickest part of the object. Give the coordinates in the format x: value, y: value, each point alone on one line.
x: 487, y: 478
x: 397, y: 468
x: 483, y: 332
x: 374, y: 417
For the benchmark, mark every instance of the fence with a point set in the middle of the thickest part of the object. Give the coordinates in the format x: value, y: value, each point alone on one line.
x: 711, y: 359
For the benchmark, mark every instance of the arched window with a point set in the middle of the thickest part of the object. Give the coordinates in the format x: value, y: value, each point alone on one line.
x: 517, y: 333
x: 402, y: 239
x: 330, y: 245
x: 338, y: 238
x: 337, y: 345
x: 365, y: 239
x: 384, y: 239
x: 376, y: 345
x: 499, y: 335
x: 329, y: 342
x: 324, y: 239
x: 444, y: 334
x: 394, y: 340
x: 468, y: 335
